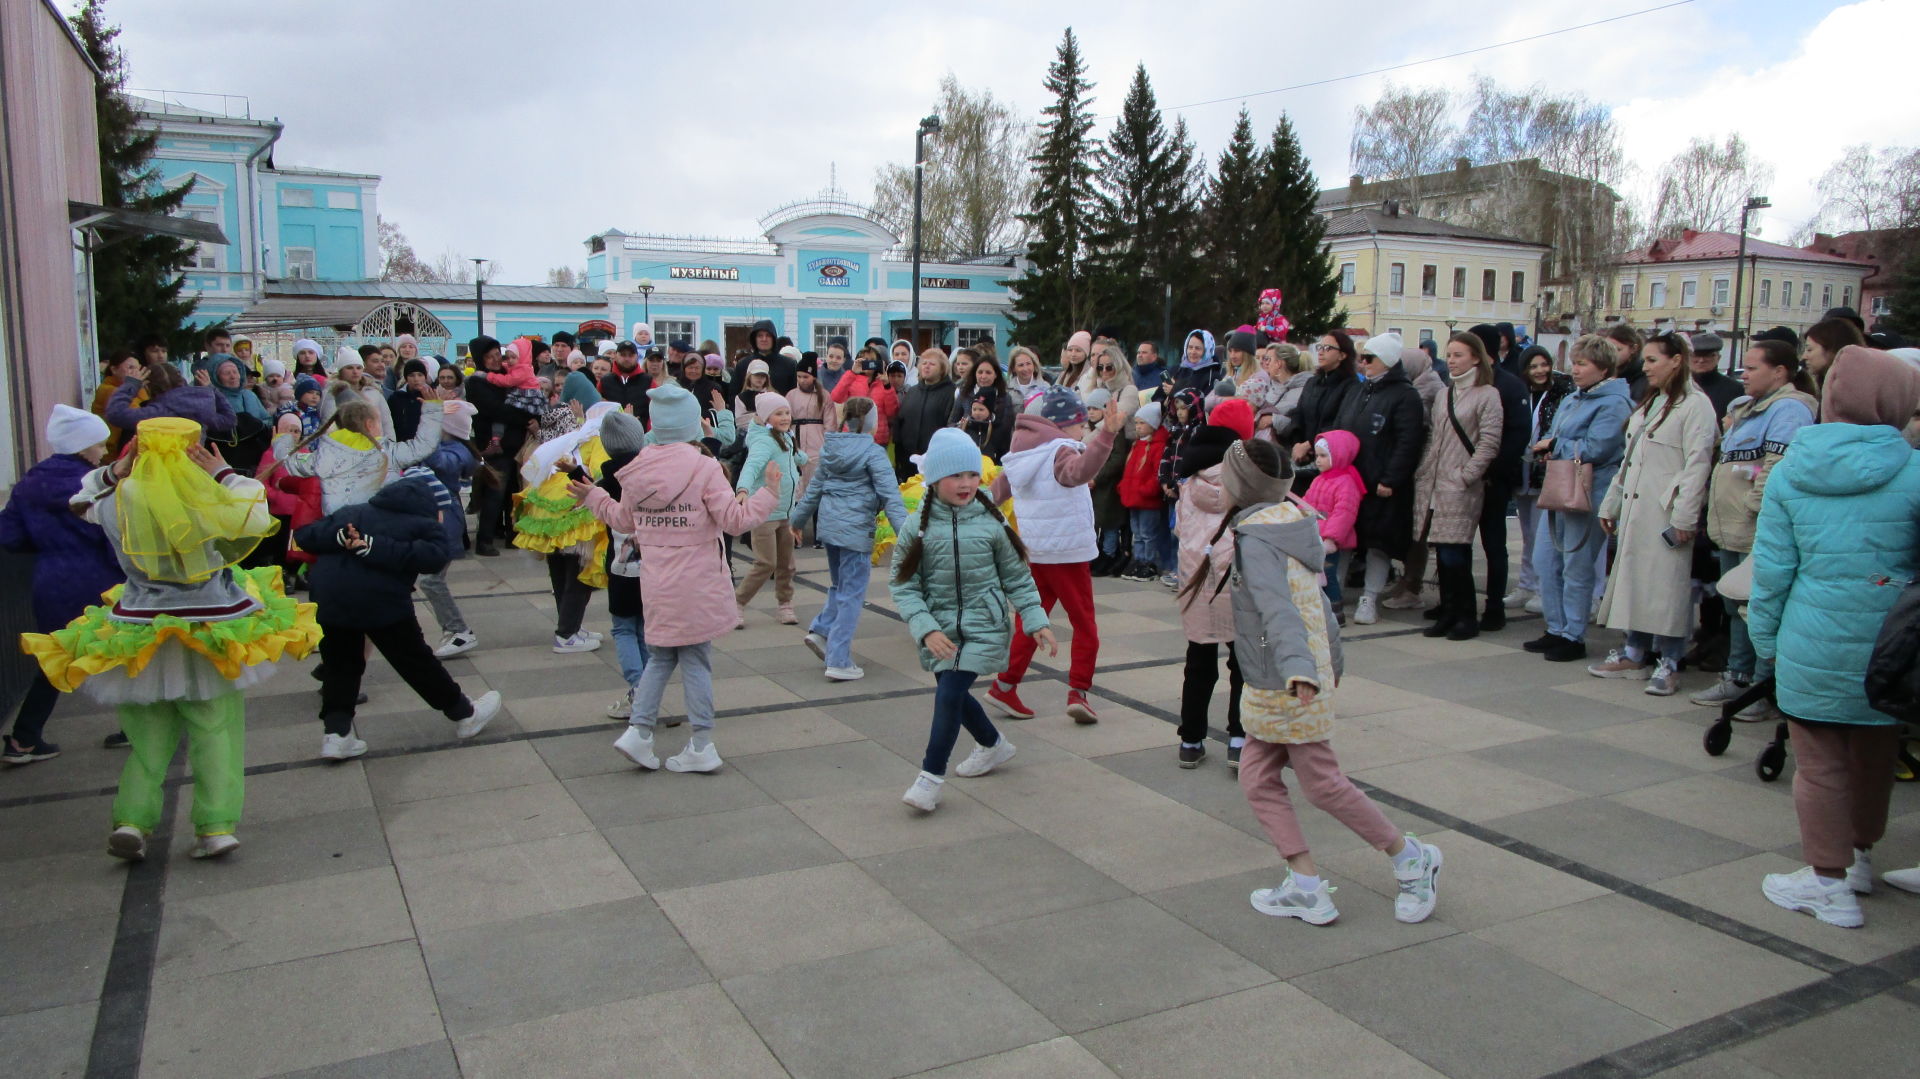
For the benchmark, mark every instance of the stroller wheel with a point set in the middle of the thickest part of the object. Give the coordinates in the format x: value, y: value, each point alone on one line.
x: 1771, y: 760
x: 1718, y: 736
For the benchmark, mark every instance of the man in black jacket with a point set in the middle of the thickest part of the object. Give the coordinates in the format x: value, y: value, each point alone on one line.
x: 493, y: 484
x: 761, y: 341
x: 627, y: 385
x: 366, y: 559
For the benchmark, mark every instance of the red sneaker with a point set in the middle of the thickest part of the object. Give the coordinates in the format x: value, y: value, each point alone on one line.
x: 1079, y: 709
x: 1008, y: 701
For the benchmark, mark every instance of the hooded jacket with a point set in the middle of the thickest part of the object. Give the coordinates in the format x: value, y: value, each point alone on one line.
x: 373, y: 588
x: 676, y: 503
x: 1046, y: 474
x: 1837, y: 543
x: 763, y: 448
x: 1206, y: 617
x: 1140, y: 482
x: 1386, y: 417
x: 970, y: 585
x: 73, y: 562
x: 1179, y: 434
x: 886, y: 403
x: 1284, y: 630
x: 351, y: 467
x: 1337, y: 492
x: 1758, y: 433
x: 780, y: 369
x: 197, y: 403
x: 924, y: 409
x: 853, y: 484
x: 1198, y: 376
x: 1591, y: 425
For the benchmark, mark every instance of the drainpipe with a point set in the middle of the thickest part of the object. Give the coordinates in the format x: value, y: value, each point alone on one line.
x: 254, y: 216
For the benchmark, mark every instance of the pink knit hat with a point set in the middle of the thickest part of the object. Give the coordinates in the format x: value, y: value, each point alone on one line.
x: 1081, y: 338
x: 1868, y: 387
x: 768, y: 403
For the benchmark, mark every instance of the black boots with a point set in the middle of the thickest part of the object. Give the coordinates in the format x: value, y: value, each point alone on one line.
x: 1455, y: 617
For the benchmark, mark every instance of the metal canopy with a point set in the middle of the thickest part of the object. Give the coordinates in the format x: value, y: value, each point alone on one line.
x: 360, y: 318
x: 128, y: 223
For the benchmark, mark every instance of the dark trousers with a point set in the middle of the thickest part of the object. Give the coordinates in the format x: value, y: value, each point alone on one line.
x: 343, y: 652
x: 1196, y: 691
x: 570, y: 594
x: 493, y: 494
x: 1493, y: 540
x: 35, y: 708
x: 954, y: 708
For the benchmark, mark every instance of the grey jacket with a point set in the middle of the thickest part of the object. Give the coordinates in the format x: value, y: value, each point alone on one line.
x: 1270, y: 638
x: 852, y: 485
x: 349, y: 476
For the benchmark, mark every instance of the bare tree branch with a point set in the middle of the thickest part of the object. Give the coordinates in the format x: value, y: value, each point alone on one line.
x: 976, y: 177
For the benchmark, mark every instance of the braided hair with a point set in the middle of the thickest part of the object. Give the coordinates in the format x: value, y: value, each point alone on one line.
x: 910, y: 562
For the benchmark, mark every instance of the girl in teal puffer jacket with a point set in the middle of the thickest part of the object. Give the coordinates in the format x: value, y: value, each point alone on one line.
x: 771, y: 440
x: 958, y: 583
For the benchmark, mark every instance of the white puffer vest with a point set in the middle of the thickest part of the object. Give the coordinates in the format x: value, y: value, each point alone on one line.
x: 1056, y: 522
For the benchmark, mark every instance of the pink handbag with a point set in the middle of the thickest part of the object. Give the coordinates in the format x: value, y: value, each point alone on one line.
x: 1568, y: 486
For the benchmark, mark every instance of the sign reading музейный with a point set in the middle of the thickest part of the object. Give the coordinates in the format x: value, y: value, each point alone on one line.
x: 704, y: 273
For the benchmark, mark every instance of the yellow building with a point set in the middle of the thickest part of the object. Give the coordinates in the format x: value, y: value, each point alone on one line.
x: 1417, y: 277
x: 1688, y: 282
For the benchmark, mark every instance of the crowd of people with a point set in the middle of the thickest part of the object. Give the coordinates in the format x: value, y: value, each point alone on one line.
x: 1264, y: 477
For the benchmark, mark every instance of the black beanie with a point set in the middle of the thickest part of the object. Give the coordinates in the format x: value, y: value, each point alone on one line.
x: 478, y: 348
x: 413, y: 367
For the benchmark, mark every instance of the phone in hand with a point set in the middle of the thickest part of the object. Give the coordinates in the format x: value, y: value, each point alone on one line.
x: 1671, y: 537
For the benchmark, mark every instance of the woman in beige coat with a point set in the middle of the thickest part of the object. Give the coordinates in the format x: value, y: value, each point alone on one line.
x: 1653, y: 508
x: 1463, y: 439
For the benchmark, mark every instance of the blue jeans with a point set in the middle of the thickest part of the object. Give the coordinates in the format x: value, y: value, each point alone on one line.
x: 696, y: 683
x: 630, y: 644
x: 954, y: 708
x: 1332, y: 587
x: 1742, y: 662
x: 850, y: 567
x: 1639, y: 645
x: 1152, y: 541
x: 1567, y: 580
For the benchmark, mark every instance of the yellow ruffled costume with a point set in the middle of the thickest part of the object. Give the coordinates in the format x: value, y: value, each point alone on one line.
x: 912, y: 491
x: 547, y: 519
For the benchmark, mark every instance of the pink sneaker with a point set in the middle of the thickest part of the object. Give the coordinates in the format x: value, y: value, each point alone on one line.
x: 787, y: 617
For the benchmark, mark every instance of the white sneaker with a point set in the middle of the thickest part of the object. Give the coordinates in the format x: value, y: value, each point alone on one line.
x: 485, y: 707
x: 817, y: 643
x: 985, y: 759
x: 1366, y: 612
x: 1761, y: 711
x: 1907, y: 880
x: 1536, y: 606
x: 740, y: 622
x: 849, y: 673
x: 213, y: 846
x: 1617, y: 665
x: 622, y: 707
x: 128, y: 843
x: 695, y: 760
x: 453, y: 644
x: 1802, y: 890
x: 1289, y: 900
x: 579, y: 642
x: 590, y: 635
x: 1860, y: 873
x: 1417, y: 885
x: 341, y: 747
x: 1666, y: 679
x: 636, y: 744
x: 924, y: 795
x: 1519, y: 597
x: 1726, y: 689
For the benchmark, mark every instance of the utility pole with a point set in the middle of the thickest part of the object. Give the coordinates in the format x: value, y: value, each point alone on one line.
x: 928, y: 126
x: 1757, y: 202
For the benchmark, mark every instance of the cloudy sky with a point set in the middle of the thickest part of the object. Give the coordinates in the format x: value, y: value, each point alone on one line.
x: 515, y: 130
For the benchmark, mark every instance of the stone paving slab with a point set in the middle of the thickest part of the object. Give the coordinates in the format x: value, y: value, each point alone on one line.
x: 531, y: 904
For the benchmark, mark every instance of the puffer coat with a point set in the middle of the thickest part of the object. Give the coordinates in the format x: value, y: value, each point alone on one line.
x: 1206, y: 617
x: 852, y: 485
x: 762, y: 448
x: 1386, y: 417
x: 1452, y: 483
x: 970, y: 584
x: 73, y: 562
x: 1837, y: 542
x: 1286, y: 629
x: 350, y: 467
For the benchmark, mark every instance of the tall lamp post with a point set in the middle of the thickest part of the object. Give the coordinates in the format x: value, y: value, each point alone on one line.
x: 928, y: 126
x: 646, y: 299
x: 479, y: 299
x: 1757, y: 202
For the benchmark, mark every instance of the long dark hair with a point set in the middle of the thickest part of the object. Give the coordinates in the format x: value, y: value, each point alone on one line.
x: 1265, y: 457
x: 1349, y: 356
x: 910, y: 563
x: 1673, y: 343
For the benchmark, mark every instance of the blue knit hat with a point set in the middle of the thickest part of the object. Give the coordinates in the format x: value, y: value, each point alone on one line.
x: 948, y: 453
x: 1059, y: 406
x: 676, y: 415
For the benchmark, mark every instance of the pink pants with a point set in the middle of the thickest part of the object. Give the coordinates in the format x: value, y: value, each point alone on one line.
x: 1842, y: 783
x: 1327, y: 788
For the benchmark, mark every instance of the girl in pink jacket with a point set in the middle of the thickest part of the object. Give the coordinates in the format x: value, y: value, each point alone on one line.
x: 676, y: 503
x: 1336, y: 493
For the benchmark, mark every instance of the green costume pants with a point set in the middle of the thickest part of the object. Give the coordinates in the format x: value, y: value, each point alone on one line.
x: 216, y: 749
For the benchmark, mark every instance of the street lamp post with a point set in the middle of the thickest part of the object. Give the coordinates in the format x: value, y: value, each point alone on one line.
x: 928, y: 126
x: 646, y: 299
x: 479, y: 299
x: 1757, y: 202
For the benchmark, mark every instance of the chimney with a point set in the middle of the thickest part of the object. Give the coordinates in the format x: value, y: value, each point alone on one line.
x: 1354, y: 184
x: 1460, y: 167
x: 1392, y: 207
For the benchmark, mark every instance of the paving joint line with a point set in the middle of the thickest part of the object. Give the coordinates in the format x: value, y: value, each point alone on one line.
x: 120, y: 1018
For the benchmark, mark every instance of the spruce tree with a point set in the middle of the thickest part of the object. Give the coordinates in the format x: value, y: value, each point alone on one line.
x: 1145, y: 206
x: 1227, y: 290
x: 1293, y: 254
x: 1053, y: 297
x: 137, y: 280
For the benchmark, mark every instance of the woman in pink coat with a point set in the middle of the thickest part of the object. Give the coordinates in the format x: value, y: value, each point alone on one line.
x: 676, y: 503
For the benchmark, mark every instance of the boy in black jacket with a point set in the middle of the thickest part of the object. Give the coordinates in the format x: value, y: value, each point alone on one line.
x: 366, y: 559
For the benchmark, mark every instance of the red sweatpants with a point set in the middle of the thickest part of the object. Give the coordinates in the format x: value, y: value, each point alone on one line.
x: 1069, y: 584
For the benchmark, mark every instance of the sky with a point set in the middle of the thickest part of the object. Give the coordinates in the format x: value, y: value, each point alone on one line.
x: 514, y: 131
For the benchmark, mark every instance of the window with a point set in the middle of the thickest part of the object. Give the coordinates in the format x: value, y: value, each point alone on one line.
x: 1429, y: 280
x: 1786, y: 294
x: 1546, y: 301
x: 1346, y: 278
x: 1626, y: 296
x: 203, y: 256
x: 1720, y: 287
x: 826, y: 331
x: 1519, y: 293
x: 1689, y: 293
x: 1459, y: 282
x: 1879, y: 307
x: 1806, y: 294
x: 1846, y: 296
x: 296, y: 196
x: 1489, y: 285
x: 342, y: 200
x: 1426, y: 336
x: 1397, y: 279
x: 1766, y: 294
x: 1657, y: 294
x: 964, y: 337
x: 1826, y: 296
x: 300, y: 263
x: 675, y: 329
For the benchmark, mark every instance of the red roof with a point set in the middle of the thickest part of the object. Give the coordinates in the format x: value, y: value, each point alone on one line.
x: 1693, y: 246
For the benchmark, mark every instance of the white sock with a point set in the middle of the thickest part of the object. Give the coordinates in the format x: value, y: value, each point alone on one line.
x: 1409, y: 854
x: 1192, y: 745
x: 700, y: 742
x: 933, y: 779
x: 1236, y: 743
x: 1306, y: 883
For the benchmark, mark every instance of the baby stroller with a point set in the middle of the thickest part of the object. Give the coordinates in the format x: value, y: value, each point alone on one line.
x: 1720, y: 735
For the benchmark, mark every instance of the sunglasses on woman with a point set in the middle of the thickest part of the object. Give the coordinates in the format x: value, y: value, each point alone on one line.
x: 1103, y: 367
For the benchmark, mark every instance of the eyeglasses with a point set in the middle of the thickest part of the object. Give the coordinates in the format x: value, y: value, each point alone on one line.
x: 1326, y: 348
x: 1103, y: 367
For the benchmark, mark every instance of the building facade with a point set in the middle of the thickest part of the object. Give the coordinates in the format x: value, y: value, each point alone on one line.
x: 824, y: 267
x: 1886, y: 250
x: 1423, y: 278
x: 1689, y: 282
x: 282, y: 222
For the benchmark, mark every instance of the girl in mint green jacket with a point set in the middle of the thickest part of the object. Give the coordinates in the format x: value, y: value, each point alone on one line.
x: 771, y: 439
x: 959, y: 582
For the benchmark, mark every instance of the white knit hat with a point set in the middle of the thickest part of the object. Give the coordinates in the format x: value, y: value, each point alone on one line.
x: 1387, y: 346
x: 347, y: 356
x: 70, y: 430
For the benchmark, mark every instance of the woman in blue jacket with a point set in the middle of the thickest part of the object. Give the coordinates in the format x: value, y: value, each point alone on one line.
x: 1838, y: 533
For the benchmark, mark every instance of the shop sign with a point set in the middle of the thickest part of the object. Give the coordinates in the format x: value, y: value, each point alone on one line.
x: 704, y: 273
x: 946, y: 282
x: 834, y: 272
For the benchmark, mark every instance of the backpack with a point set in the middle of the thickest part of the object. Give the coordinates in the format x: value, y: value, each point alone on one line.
x: 1893, y: 672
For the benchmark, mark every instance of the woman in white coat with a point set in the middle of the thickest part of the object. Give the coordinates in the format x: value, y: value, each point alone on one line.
x: 1654, y: 508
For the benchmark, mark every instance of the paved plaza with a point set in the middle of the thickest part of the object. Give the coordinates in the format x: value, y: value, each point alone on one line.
x: 531, y: 905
